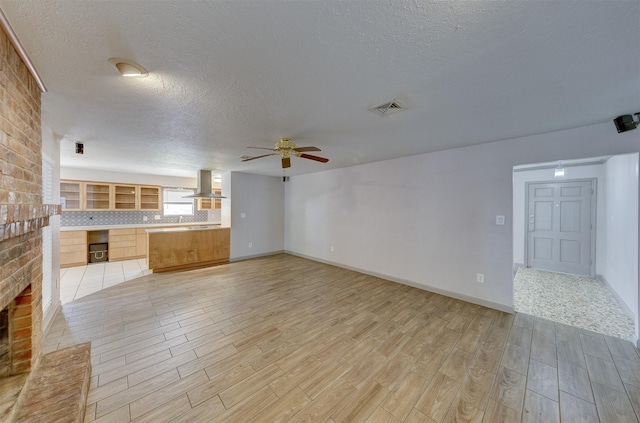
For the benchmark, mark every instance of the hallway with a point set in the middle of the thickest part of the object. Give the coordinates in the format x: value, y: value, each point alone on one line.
x: 578, y: 301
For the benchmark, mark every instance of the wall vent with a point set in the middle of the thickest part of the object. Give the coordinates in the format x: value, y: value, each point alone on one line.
x: 387, y: 108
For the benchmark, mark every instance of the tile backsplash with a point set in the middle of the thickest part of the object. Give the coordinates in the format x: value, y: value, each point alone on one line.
x: 100, y: 218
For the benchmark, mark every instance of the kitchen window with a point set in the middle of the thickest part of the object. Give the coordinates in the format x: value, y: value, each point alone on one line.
x: 175, y: 204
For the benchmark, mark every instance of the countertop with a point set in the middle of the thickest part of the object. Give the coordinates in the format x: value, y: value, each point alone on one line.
x: 137, y: 225
x: 184, y: 229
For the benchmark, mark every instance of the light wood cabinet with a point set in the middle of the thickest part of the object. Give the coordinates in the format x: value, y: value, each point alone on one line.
x: 71, y: 195
x: 141, y: 242
x: 97, y: 196
x: 210, y: 203
x: 150, y: 198
x: 122, y: 244
x: 73, y: 248
x: 124, y: 197
x: 104, y: 196
x: 176, y: 250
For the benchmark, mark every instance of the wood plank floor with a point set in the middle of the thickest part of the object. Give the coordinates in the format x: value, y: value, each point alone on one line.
x: 285, y: 339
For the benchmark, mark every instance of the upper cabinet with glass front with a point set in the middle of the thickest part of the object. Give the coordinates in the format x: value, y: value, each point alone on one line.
x: 102, y: 196
x: 124, y: 197
x: 71, y: 195
x: 150, y: 198
x: 210, y: 203
x: 97, y: 196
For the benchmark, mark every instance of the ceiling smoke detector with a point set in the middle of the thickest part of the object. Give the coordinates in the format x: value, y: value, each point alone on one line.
x: 387, y: 108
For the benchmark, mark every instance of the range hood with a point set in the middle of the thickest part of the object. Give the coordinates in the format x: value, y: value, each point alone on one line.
x: 204, y: 189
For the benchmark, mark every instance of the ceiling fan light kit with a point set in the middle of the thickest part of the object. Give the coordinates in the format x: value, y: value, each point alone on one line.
x: 286, y: 148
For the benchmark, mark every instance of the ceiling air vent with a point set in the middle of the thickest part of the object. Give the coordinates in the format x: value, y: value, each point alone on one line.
x: 387, y: 107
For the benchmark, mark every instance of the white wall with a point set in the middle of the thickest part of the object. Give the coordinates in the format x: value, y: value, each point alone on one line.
x: 429, y: 220
x: 51, y: 151
x: 520, y: 179
x: 260, y: 199
x: 127, y: 178
x: 621, y: 265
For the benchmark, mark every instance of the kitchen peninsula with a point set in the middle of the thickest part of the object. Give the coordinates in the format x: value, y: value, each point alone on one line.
x: 189, y: 247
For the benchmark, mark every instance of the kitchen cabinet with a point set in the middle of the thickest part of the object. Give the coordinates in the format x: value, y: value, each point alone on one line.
x: 210, y: 203
x: 105, y: 196
x: 97, y: 196
x: 73, y: 248
x: 187, y: 248
x: 124, y: 197
x: 123, y: 244
x: 71, y: 195
x: 141, y: 242
x: 150, y: 198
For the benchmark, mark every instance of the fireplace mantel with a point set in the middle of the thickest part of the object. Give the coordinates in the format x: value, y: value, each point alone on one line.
x: 19, y: 219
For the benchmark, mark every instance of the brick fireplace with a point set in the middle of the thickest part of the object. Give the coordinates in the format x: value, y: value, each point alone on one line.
x: 21, y: 283
x: 22, y: 214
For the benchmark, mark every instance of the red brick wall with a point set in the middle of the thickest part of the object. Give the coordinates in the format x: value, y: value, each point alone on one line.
x: 21, y: 210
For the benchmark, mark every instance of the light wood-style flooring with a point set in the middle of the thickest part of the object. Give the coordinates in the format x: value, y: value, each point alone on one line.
x: 285, y: 339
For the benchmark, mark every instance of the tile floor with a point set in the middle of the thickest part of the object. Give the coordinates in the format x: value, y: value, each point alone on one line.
x: 574, y: 300
x: 77, y: 282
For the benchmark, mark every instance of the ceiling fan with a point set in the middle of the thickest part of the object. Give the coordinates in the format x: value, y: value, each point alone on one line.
x: 286, y: 149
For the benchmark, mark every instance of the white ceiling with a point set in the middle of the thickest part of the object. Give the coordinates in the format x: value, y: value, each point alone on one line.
x: 224, y: 75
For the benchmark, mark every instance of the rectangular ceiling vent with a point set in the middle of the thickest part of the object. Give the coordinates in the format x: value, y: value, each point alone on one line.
x: 387, y: 108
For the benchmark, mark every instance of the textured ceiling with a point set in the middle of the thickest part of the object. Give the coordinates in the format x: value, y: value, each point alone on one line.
x: 229, y: 74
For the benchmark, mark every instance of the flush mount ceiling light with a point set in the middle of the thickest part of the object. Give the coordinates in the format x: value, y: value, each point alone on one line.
x: 128, y: 68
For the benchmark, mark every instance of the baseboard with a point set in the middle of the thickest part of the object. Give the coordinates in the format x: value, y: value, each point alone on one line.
x: 424, y: 287
x: 47, y: 320
x: 271, y: 253
x: 624, y: 305
x: 516, y: 267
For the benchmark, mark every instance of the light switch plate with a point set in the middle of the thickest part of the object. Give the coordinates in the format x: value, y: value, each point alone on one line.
x: 499, y: 220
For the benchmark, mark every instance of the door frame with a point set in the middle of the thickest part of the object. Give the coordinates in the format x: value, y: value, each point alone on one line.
x: 594, y: 202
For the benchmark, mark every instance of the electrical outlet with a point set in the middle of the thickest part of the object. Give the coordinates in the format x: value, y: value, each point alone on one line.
x: 332, y: 249
x: 251, y: 245
x: 499, y: 220
x: 243, y: 215
x: 156, y: 217
x: 480, y: 278
x: 145, y: 218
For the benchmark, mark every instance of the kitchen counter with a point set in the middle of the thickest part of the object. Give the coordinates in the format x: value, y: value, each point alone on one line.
x: 135, y: 225
x: 184, y: 228
x: 187, y: 247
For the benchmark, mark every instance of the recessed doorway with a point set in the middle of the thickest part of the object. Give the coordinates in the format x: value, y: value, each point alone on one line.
x: 593, y: 277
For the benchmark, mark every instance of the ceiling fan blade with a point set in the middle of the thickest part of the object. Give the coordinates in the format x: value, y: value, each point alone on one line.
x: 262, y: 148
x: 258, y: 157
x: 301, y: 149
x: 286, y: 162
x: 316, y: 158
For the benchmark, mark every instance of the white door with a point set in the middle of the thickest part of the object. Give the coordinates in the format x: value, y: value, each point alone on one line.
x: 560, y: 227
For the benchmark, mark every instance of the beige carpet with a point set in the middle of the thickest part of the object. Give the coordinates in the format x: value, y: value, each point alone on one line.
x: 573, y: 300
